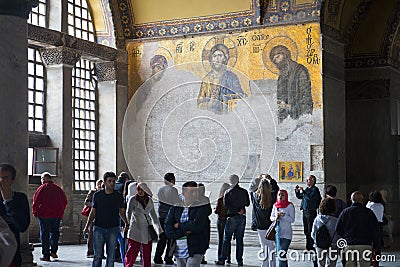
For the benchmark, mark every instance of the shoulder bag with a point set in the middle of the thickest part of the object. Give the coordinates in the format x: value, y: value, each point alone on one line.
x: 270, y: 235
x: 152, y: 231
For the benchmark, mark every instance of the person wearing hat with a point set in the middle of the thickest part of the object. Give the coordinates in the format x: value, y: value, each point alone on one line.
x: 49, y: 202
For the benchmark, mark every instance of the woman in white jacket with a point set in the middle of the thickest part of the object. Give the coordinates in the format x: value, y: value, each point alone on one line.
x: 326, y: 216
x: 139, y: 210
x: 283, y: 211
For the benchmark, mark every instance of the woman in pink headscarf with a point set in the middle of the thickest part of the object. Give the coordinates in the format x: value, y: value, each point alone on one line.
x: 283, y: 212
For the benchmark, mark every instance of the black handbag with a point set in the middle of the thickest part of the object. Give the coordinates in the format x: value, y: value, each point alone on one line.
x: 152, y: 232
x: 271, y: 232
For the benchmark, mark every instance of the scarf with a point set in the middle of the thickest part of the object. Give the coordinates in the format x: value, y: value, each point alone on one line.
x: 282, y: 204
x: 143, y: 200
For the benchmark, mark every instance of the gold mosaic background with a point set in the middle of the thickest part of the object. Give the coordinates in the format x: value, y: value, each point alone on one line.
x: 249, y: 54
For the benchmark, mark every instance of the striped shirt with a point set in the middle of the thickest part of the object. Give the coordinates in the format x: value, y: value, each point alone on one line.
x: 182, y: 250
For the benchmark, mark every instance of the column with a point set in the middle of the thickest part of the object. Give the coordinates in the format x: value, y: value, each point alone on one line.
x: 113, y: 101
x: 14, y: 98
x: 59, y: 63
x: 334, y: 104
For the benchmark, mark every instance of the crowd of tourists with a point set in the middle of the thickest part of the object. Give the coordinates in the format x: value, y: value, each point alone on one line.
x: 124, y: 217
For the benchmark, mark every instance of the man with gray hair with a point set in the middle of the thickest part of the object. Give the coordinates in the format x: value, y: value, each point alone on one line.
x: 236, y: 199
x: 359, y: 227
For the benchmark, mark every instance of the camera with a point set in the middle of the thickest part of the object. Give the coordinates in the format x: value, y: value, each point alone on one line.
x: 297, y: 187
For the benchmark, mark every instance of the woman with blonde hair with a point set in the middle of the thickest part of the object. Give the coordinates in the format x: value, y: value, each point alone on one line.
x: 140, y: 212
x: 262, y: 207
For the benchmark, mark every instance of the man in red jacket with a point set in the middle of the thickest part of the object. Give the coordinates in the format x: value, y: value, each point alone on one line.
x: 49, y: 202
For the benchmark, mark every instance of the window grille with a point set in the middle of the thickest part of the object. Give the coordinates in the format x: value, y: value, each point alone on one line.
x: 36, y: 91
x: 84, y: 124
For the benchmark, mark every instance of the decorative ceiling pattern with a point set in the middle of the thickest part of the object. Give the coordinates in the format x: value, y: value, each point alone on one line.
x: 178, y: 27
x: 290, y: 11
x: 103, y: 23
x: 262, y: 12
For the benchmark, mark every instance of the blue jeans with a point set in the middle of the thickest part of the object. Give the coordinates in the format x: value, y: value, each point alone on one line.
x: 234, y: 225
x: 282, y: 260
x: 103, y: 236
x: 221, y: 227
x: 49, y: 235
x: 122, y: 246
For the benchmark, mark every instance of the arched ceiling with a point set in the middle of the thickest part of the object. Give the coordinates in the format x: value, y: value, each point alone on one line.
x: 368, y: 29
x: 160, y: 19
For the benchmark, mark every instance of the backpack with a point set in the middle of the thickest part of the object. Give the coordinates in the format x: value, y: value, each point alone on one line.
x: 323, y: 239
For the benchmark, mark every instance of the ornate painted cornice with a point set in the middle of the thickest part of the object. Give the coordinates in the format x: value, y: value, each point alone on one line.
x: 245, y: 19
x: 18, y: 8
x: 366, y: 62
x: 287, y: 12
x: 263, y: 12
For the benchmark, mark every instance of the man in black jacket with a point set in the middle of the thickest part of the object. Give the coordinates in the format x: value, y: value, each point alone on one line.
x: 310, y: 199
x: 188, y: 225
x: 236, y: 199
x: 359, y: 227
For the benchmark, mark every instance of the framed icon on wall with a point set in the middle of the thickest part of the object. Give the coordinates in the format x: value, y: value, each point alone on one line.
x: 290, y: 171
